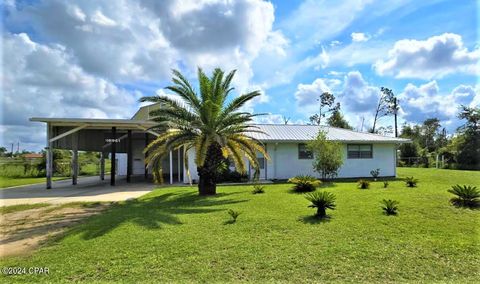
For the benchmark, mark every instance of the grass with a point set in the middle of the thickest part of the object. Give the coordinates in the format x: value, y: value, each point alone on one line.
x: 21, y: 207
x: 9, y: 182
x: 172, y: 235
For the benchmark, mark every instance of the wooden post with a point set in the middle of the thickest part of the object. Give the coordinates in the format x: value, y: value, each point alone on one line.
x: 171, y: 166
x: 102, y: 166
x: 49, y: 157
x: 113, y: 161
x: 74, y: 158
x: 146, y: 154
x: 129, y: 155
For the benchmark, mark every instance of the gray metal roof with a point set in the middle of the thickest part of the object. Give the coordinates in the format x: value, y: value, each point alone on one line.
x: 273, y: 132
x: 302, y: 133
x: 95, y: 122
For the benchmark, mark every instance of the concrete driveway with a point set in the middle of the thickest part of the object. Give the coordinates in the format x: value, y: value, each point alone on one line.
x: 88, y: 189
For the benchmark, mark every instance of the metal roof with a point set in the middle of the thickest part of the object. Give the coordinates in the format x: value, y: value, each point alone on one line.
x: 272, y: 132
x: 96, y: 123
x: 302, y: 133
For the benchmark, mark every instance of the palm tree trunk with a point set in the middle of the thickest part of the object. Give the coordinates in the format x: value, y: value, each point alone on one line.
x: 207, y: 183
x: 321, y: 212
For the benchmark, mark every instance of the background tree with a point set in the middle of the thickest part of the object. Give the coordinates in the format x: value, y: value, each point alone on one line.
x: 206, y: 122
x: 468, y: 149
x: 387, y: 105
x: 328, y: 155
x: 336, y: 119
x: 327, y: 101
x: 430, y: 131
x: 3, y: 151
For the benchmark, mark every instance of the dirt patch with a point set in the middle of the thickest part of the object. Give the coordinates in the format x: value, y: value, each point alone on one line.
x: 23, y: 231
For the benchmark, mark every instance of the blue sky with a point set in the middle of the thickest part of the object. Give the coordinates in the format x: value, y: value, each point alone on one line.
x: 97, y: 58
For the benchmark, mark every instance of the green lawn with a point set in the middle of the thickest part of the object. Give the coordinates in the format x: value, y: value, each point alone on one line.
x: 9, y: 182
x: 172, y: 235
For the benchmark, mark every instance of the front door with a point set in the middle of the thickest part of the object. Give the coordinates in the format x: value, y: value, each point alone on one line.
x: 262, y: 167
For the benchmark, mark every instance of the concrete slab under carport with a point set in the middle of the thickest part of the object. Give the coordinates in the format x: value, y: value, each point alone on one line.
x: 89, y: 189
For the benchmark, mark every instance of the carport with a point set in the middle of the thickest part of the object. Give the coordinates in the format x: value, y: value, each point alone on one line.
x: 108, y: 137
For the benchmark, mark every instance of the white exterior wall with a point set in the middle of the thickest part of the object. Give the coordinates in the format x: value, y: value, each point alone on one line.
x: 284, y: 163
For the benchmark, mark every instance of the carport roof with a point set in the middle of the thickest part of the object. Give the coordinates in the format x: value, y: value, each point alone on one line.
x: 96, y: 123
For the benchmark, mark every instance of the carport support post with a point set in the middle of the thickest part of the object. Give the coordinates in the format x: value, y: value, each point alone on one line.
x: 179, y: 165
x: 75, y: 158
x: 49, y: 158
x: 129, y: 155
x: 102, y: 166
x: 171, y: 167
x: 113, y: 158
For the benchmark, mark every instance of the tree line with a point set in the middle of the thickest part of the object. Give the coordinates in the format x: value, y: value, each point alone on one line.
x: 430, y: 140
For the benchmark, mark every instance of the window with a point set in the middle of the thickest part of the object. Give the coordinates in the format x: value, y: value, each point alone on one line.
x: 303, y: 152
x: 359, y: 151
x: 261, y: 162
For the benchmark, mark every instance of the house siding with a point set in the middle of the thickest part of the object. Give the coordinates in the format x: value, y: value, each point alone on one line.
x: 284, y: 162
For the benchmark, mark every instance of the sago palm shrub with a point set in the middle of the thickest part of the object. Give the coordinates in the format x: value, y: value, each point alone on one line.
x: 363, y: 184
x: 304, y: 183
x: 465, y: 196
x: 411, y: 181
x: 322, y: 200
x: 390, y: 207
x: 206, y: 122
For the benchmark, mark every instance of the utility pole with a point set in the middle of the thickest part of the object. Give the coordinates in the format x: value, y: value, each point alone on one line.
x: 12, y: 151
x: 18, y: 147
x: 395, y: 106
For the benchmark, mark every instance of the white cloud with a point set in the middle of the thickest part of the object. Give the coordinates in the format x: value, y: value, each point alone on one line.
x: 276, y: 43
x: 359, y: 37
x: 142, y: 40
x: 358, y: 96
x: 334, y: 43
x: 41, y: 80
x: 434, y: 57
x: 99, y: 18
x: 427, y: 101
x: 307, y: 94
x: 80, y: 57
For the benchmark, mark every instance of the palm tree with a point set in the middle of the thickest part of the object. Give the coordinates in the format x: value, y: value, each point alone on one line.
x: 207, y: 123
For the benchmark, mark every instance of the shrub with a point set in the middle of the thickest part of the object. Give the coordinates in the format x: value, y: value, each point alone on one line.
x: 327, y: 154
x: 322, y: 200
x: 385, y: 184
x: 234, y: 215
x: 375, y: 173
x: 466, y: 196
x: 389, y: 206
x: 363, y: 184
x: 411, y: 181
x: 258, y: 188
x: 304, y: 183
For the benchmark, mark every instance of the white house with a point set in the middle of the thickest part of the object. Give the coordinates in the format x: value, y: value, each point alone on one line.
x: 123, y: 140
x: 286, y: 146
